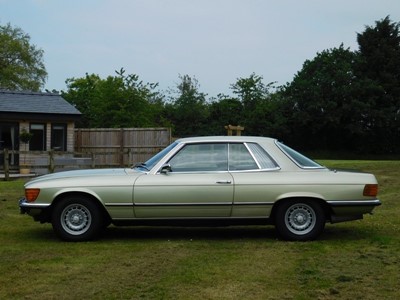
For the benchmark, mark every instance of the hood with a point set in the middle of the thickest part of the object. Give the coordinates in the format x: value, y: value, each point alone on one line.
x: 84, y: 173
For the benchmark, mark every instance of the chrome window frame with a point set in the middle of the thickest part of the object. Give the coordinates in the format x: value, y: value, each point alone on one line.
x: 179, y: 147
x: 277, y: 167
x: 182, y: 146
x: 319, y: 167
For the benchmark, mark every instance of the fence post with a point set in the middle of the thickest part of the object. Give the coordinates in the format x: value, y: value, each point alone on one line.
x: 78, y: 140
x: 129, y: 157
x: 51, y: 161
x: 6, y: 165
x: 93, y: 160
x: 121, y: 147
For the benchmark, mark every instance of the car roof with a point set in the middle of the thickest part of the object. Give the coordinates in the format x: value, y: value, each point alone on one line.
x: 203, y: 139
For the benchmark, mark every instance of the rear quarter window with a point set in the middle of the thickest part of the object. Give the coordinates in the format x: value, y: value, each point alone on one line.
x: 300, y: 160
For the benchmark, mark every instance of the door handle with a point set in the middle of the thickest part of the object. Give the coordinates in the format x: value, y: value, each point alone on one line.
x: 224, y: 182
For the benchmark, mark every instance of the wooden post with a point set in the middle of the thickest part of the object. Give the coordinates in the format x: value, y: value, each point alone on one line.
x: 93, y: 157
x: 121, y: 147
x: 78, y: 140
x: 6, y: 165
x: 51, y: 161
x: 238, y: 129
x: 129, y: 157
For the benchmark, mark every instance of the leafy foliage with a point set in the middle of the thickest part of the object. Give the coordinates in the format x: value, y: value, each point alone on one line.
x: 344, y: 100
x: 379, y: 72
x: 341, y: 100
x: 225, y: 110
x: 21, y: 63
x: 324, y: 102
x: 117, y: 101
x: 262, y: 112
x: 188, y: 110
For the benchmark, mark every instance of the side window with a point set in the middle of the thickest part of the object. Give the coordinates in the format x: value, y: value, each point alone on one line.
x: 38, y: 141
x: 59, y: 137
x: 298, y: 158
x: 201, y: 157
x: 240, y: 158
x: 262, y: 157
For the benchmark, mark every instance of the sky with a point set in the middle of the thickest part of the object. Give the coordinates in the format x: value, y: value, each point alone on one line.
x: 214, y: 41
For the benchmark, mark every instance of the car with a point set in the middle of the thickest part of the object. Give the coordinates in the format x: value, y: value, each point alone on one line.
x: 204, y: 181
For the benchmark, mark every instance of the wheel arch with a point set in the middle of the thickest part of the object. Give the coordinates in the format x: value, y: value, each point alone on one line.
x: 86, y: 195
x: 325, y: 206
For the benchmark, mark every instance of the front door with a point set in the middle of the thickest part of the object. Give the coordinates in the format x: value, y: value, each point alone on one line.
x: 197, y: 185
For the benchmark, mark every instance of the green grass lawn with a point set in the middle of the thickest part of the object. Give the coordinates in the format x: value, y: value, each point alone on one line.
x: 354, y: 260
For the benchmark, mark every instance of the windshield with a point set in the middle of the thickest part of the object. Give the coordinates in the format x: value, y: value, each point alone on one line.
x: 298, y: 158
x: 148, y: 165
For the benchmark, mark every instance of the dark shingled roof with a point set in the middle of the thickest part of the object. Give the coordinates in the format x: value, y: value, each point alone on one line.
x: 32, y: 102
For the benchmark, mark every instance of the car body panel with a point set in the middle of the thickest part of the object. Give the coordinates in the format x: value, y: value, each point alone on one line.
x: 157, y: 192
x: 183, y: 195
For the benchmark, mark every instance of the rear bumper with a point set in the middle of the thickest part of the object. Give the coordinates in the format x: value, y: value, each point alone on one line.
x: 355, y: 203
x: 351, y: 210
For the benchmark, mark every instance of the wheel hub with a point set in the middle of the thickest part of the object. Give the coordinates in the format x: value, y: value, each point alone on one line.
x: 300, y: 218
x: 75, y: 219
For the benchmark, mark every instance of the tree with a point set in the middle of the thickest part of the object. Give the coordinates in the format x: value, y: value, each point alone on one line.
x: 224, y: 111
x: 117, y: 101
x: 344, y: 100
x: 188, y: 110
x: 379, y: 71
x: 326, y: 110
x: 82, y: 93
x: 21, y: 63
x: 257, y: 108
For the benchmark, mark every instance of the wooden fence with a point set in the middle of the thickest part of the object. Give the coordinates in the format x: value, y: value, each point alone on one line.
x: 123, y: 146
x: 94, y: 148
x: 43, y: 162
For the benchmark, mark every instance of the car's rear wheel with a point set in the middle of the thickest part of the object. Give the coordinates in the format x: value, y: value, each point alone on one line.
x: 300, y: 220
x: 77, y: 218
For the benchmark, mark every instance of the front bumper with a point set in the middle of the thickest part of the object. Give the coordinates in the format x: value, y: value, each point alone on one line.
x: 26, y: 207
x: 39, y: 211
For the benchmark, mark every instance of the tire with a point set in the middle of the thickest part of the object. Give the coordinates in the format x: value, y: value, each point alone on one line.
x: 300, y: 220
x: 76, y: 219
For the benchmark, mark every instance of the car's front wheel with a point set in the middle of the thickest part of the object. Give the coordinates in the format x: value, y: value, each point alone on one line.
x: 300, y: 220
x: 77, y: 218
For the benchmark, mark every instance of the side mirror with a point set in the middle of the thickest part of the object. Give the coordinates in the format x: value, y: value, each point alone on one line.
x: 165, y: 169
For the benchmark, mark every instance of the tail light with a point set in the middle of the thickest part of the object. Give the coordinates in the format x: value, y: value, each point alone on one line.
x: 370, y: 190
x: 31, y: 194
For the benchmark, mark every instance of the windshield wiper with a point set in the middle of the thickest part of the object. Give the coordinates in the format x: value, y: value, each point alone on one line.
x: 141, y: 165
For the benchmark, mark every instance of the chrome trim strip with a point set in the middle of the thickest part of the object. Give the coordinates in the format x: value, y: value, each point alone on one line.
x: 179, y: 146
x: 119, y: 204
x: 252, y: 155
x: 189, y: 218
x: 198, y: 172
x: 375, y: 202
x: 255, y: 170
x: 253, y: 203
x: 184, y: 204
x: 295, y: 162
x: 230, y: 171
x: 187, y: 204
x: 24, y: 204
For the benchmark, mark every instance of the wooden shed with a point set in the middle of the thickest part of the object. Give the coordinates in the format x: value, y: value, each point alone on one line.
x: 47, y: 116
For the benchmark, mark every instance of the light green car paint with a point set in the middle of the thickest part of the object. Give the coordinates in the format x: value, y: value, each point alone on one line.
x: 159, y: 193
